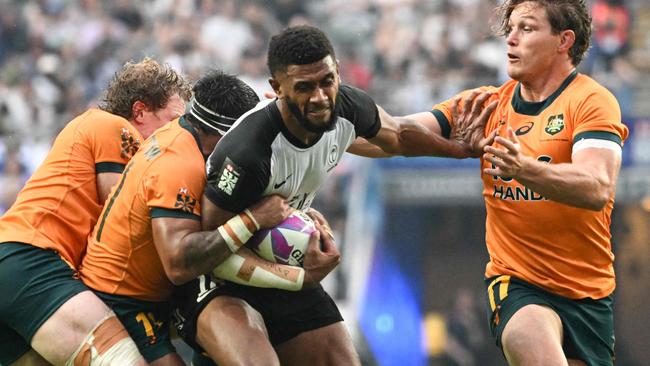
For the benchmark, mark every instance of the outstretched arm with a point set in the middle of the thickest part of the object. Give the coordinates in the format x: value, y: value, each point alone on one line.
x: 420, y: 134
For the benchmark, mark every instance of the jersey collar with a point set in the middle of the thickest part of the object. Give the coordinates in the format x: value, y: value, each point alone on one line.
x: 535, y: 108
x: 276, y: 117
x: 186, y: 125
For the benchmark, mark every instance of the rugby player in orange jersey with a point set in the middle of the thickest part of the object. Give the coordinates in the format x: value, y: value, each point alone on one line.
x: 43, y: 235
x: 549, y: 182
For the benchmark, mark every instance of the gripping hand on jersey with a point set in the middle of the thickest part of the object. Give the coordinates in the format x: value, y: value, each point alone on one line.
x: 506, y: 160
x: 470, y: 119
x: 270, y: 211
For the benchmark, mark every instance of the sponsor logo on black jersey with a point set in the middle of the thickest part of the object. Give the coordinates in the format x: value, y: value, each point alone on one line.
x: 230, y: 175
x: 555, y: 124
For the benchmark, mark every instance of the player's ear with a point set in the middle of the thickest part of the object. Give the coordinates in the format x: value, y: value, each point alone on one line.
x: 275, y: 84
x: 137, y: 111
x: 567, y: 39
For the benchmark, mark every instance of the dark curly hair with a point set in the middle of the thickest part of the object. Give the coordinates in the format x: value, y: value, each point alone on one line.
x: 563, y: 15
x: 224, y: 94
x: 299, y: 45
x: 146, y: 81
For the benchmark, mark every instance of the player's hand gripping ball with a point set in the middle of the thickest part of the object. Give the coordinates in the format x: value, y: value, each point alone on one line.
x: 285, y: 243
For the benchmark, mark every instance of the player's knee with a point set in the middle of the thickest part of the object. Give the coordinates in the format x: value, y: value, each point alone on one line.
x: 107, y: 344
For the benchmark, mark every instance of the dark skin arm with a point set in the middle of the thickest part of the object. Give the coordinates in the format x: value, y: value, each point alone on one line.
x: 319, y: 260
x: 419, y: 134
x: 186, y: 251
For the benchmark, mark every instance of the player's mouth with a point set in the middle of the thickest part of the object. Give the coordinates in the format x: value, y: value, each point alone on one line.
x: 512, y: 58
x: 322, y: 112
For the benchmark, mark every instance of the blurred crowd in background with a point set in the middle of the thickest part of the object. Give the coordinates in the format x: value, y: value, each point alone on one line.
x: 56, y: 57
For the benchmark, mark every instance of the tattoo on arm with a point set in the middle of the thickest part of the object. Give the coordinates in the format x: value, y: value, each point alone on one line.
x: 205, y: 250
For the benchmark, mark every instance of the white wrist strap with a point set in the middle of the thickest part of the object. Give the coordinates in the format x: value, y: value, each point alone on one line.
x: 238, y: 230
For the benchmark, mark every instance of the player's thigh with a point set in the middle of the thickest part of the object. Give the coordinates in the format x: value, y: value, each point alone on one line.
x: 60, y: 336
x: 534, y: 329
x: 233, y: 333
x: 147, y: 323
x: 38, y: 289
x: 329, y: 345
x: 533, y: 336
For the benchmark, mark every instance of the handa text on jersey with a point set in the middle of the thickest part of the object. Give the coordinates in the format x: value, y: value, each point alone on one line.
x: 508, y: 193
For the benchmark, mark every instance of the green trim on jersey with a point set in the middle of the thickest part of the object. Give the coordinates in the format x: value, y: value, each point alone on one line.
x: 109, y: 167
x: 445, y: 127
x: 186, y: 125
x: 535, y: 108
x: 166, y: 212
x: 111, y: 202
x: 600, y: 135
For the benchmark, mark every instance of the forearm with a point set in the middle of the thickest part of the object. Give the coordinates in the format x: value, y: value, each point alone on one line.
x: 199, y: 253
x: 571, y: 184
x: 246, y: 268
x: 416, y: 140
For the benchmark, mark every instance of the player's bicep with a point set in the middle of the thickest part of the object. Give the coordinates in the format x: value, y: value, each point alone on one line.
x: 213, y: 216
x: 168, y: 233
x: 363, y: 147
x: 602, y: 160
x: 428, y: 120
x: 105, y: 182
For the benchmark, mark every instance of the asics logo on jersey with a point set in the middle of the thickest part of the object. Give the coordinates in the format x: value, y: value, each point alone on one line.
x: 278, y: 185
x: 524, y: 129
x: 555, y: 124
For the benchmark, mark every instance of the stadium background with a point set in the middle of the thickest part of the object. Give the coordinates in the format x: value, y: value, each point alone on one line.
x: 410, y: 230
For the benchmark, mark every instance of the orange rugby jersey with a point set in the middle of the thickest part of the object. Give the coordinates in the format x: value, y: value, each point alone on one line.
x: 58, y: 206
x: 164, y: 179
x: 563, y: 249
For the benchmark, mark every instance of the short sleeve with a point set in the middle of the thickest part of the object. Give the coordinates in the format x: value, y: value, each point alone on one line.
x: 237, y: 175
x: 599, y: 116
x: 357, y: 107
x: 112, y: 141
x: 173, y: 189
x: 442, y: 111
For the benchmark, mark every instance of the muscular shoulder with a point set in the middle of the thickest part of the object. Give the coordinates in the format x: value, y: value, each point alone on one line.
x: 357, y: 106
x: 249, y: 141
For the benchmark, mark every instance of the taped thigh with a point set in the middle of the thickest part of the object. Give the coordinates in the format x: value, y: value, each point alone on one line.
x: 107, y: 344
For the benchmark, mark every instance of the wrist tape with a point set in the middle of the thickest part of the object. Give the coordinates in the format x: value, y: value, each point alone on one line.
x: 238, y: 230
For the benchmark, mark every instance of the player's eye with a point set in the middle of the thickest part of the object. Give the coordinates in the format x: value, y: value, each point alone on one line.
x: 327, y: 82
x: 302, y: 88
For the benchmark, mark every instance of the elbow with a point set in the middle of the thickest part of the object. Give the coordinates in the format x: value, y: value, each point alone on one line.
x: 177, y: 273
x: 178, y: 277
x: 600, y: 200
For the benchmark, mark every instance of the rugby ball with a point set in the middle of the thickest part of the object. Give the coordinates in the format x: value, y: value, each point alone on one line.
x: 287, y: 242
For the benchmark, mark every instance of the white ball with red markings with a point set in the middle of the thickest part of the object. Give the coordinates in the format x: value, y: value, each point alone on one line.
x: 287, y: 242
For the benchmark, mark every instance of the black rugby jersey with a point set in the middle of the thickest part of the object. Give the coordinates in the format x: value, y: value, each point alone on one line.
x: 259, y: 156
